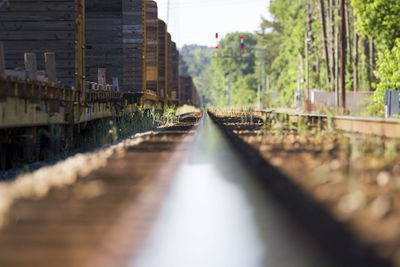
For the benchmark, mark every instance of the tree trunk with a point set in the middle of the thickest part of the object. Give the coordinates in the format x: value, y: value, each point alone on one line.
x: 309, y: 38
x: 318, y: 70
x: 365, y: 63
x: 348, y: 41
x: 336, y: 51
x: 371, y: 59
x: 347, y: 20
x: 331, y: 41
x: 309, y: 18
x: 355, y: 57
x: 324, y: 42
x: 342, y: 53
x: 307, y: 82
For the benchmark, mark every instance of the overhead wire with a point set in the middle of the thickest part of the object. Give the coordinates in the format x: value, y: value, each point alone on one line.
x: 168, y: 6
x: 172, y: 9
x: 188, y: 4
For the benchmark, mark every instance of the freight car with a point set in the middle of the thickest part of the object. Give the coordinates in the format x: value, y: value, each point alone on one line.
x: 120, y: 36
x: 70, y: 62
x: 189, y: 94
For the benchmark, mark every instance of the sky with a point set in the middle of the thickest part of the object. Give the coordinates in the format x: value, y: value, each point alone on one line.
x: 197, y: 21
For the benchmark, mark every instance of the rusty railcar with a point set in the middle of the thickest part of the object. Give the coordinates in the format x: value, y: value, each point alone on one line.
x: 151, y: 47
x: 71, y: 62
x: 39, y: 27
x: 189, y: 94
x: 162, y: 58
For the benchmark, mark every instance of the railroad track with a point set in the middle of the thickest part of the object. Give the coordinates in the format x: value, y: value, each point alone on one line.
x: 98, y: 209
x: 315, y: 185
x: 365, y: 125
x: 93, y: 210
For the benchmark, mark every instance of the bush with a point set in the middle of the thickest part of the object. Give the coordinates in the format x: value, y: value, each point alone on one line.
x: 388, y: 75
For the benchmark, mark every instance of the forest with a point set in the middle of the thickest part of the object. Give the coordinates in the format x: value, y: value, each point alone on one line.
x: 330, y: 45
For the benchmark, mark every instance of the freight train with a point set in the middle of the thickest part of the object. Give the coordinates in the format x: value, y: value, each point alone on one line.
x: 70, y: 62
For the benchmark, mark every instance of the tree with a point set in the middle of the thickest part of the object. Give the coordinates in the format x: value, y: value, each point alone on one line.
x: 194, y: 60
x: 379, y: 19
x: 324, y: 40
x: 388, y: 73
x: 342, y: 52
x: 240, y: 64
x: 355, y: 56
x: 233, y: 60
x: 291, y: 18
x: 331, y: 40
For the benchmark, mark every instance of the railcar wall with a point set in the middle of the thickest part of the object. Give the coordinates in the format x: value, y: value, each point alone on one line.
x: 162, y: 28
x: 104, y: 39
x: 39, y: 27
x: 151, y: 46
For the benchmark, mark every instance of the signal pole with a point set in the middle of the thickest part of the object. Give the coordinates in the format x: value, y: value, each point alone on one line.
x: 228, y: 92
x: 259, y: 83
x: 264, y: 79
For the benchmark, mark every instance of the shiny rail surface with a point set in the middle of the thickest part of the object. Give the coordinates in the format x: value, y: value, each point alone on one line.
x: 218, y: 214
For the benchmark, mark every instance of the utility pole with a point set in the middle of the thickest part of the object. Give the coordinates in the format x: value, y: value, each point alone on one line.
x: 342, y: 53
x: 228, y: 93
x: 264, y: 82
x: 307, y: 83
x: 268, y: 87
x: 259, y: 83
x: 298, y: 73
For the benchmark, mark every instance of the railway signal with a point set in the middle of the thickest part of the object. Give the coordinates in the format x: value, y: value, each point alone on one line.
x: 242, y: 42
x: 216, y: 38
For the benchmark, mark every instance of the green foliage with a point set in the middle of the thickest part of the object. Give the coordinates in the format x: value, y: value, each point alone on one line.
x: 231, y: 59
x: 169, y: 115
x: 380, y: 19
x: 288, y: 33
x: 388, y: 73
x: 194, y: 60
x: 283, y: 36
x: 240, y: 65
x: 270, y: 37
x: 216, y: 83
x: 103, y: 132
x: 243, y: 92
x: 209, y: 72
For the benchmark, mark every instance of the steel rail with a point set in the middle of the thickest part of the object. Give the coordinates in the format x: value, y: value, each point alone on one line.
x: 365, y: 125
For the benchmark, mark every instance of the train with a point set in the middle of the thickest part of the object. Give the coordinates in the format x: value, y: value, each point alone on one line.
x: 71, y: 62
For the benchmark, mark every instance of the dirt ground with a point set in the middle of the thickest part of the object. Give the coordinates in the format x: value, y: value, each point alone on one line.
x: 355, y: 178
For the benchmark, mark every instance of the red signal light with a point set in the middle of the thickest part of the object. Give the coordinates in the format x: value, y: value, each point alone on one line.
x: 216, y: 47
x: 242, y: 37
x: 242, y: 47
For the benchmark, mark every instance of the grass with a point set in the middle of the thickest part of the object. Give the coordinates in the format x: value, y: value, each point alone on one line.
x: 53, y: 146
x: 118, y: 128
x: 186, y: 109
x: 355, y: 177
x: 103, y: 131
x: 320, y: 136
